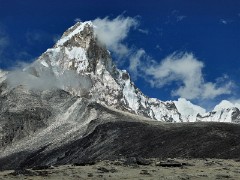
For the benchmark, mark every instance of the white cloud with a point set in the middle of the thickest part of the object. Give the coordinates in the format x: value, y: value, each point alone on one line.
x: 144, y: 31
x: 180, y: 18
x: 4, y: 41
x: 46, y: 80
x: 223, y: 21
x: 186, y: 72
x: 35, y: 36
x: 112, y: 32
x: 158, y: 47
x: 77, y: 20
x: 38, y: 36
x: 226, y: 21
x: 212, y: 90
x: 175, y: 17
x: 135, y: 61
x: 224, y: 104
x: 56, y: 37
x: 11, y: 55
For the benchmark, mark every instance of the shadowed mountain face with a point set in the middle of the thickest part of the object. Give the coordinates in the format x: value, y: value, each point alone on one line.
x: 25, y: 112
x: 130, y: 138
x: 73, y: 105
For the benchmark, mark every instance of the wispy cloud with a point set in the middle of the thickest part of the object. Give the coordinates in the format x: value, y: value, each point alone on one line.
x: 158, y: 47
x: 226, y: 21
x: 180, y: 18
x: 9, y: 57
x: 4, y: 41
x: 185, y: 71
x: 33, y: 37
x: 39, y: 36
x: 175, y: 17
x: 46, y: 79
x: 77, y: 20
x: 144, y: 31
x: 113, y: 32
x: 135, y: 62
x: 223, y: 21
x: 56, y: 37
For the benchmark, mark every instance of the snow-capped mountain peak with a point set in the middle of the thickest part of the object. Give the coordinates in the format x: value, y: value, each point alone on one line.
x: 73, y: 32
x: 188, y: 110
x: 79, y: 51
x: 81, y: 65
x: 224, y: 104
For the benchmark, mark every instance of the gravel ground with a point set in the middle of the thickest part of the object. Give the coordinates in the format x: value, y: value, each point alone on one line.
x: 145, y: 169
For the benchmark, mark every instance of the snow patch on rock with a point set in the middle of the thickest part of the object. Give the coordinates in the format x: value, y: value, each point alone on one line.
x: 224, y: 104
x: 78, y: 27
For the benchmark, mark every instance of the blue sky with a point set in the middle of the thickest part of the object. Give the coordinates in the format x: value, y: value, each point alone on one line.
x: 205, y: 35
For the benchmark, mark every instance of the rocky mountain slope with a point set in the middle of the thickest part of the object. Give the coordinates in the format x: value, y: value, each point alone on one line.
x: 122, y: 136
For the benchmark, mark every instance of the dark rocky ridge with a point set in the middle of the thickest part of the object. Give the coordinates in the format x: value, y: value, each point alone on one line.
x: 112, y: 140
x: 24, y: 112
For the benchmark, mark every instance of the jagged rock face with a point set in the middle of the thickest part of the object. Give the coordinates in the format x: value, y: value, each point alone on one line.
x: 224, y: 115
x: 25, y: 112
x: 79, y: 51
x: 236, y: 115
